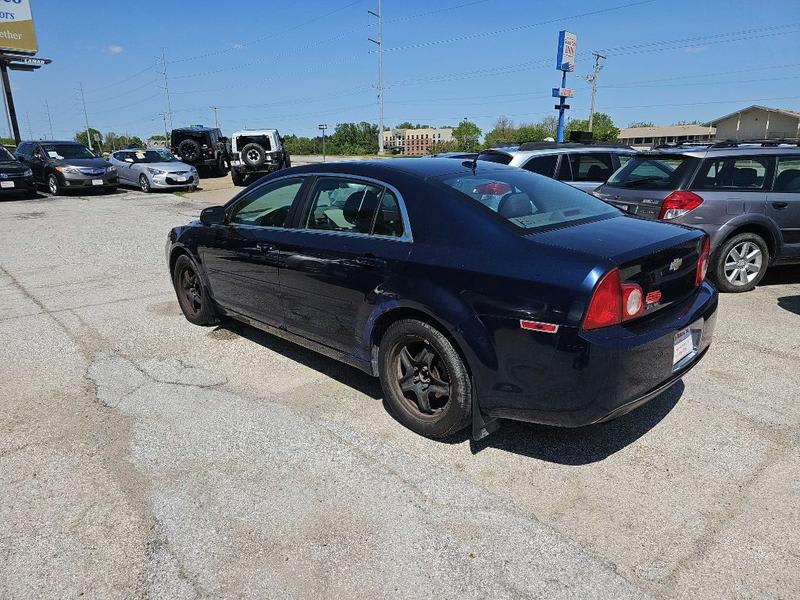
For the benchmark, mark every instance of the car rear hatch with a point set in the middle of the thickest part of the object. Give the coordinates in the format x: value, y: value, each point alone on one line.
x: 661, y: 258
x: 643, y: 183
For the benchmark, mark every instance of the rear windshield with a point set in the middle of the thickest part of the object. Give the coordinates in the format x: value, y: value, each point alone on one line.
x: 527, y: 200
x: 495, y: 157
x: 651, y: 172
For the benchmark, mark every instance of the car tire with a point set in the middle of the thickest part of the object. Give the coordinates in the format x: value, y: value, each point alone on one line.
x: 253, y: 155
x: 734, y: 272
x: 193, y: 297
x: 425, y: 382
x: 221, y: 168
x: 189, y: 151
x: 239, y: 179
x: 54, y: 185
x: 144, y: 184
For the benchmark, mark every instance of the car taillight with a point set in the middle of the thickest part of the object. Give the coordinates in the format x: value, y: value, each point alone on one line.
x: 702, y: 262
x: 678, y: 204
x: 613, y: 302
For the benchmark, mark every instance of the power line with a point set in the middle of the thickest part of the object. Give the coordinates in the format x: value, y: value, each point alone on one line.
x: 496, y: 32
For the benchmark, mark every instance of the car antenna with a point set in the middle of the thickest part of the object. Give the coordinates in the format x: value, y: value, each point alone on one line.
x: 472, y: 164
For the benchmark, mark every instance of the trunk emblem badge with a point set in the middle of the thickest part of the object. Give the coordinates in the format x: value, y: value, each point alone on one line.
x: 675, y: 264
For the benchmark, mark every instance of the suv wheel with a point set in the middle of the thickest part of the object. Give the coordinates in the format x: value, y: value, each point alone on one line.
x: 741, y: 263
x: 424, y: 380
x: 53, y: 184
x: 253, y: 155
x: 189, y: 150
x: 239, y: 179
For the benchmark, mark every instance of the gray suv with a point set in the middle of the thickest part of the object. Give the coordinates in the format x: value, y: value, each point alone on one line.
x: 746, y: 196
x: 584, y: 166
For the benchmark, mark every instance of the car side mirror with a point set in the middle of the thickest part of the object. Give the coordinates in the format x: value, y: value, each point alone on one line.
x: 213, y: 215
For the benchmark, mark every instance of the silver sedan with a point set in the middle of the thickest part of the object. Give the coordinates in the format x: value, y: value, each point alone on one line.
x: 152, y: 169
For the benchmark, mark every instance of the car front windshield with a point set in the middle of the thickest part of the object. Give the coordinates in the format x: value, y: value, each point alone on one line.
x: 5, y: 154
x: 527, y: 200
x: 61, y: 151
x: 152, y: 156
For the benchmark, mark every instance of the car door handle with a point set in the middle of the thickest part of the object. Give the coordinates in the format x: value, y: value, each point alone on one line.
x: 370, y: 262
x: 780, y: 205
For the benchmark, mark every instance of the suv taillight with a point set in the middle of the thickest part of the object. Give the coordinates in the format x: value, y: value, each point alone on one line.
x: 613, y: 302
x: 678, y: 204
x: 702, y: 262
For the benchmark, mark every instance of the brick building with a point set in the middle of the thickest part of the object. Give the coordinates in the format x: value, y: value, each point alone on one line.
x: 414, y: 142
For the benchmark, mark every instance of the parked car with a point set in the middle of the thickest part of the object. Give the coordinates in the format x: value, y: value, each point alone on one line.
x: 551, y: 306
x: 256, y: 152
x: 150, y: 169
x: 201, y: 147
x: 63, y: 166
x: 584, y: 166
x: 15, y: 178
x: 461, y: 155
x: 746, y: 197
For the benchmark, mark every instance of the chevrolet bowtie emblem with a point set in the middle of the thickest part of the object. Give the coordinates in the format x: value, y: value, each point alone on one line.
x: 675, y: 264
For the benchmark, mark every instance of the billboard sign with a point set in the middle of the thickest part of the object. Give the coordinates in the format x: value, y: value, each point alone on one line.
x: 563, y: 93
x: 567, y: 43
x: 16, y: 27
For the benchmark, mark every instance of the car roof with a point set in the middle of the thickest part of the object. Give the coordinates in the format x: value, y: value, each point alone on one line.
x: 254, y: 131
x: 419, y: 167
x: 516, y: 153
x: 703, y: 151
x: 51, y: 142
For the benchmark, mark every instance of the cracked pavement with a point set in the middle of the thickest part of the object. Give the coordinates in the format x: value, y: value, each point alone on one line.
x: 143, y: 457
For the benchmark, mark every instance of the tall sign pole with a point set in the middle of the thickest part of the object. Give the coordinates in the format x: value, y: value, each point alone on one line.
x: 565, y: 63
x: 322, y: 127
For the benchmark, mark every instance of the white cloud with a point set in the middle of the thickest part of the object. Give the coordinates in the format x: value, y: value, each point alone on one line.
x: 696, y: 49
x: 237, y: 46
x: 113, y: 49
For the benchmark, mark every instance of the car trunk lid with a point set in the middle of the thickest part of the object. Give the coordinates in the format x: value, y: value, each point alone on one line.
x: 660, y: 257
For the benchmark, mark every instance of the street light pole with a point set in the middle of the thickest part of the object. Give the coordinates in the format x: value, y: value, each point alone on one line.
x: 379, y: 42
x: 216, y: 117
x: 322, y: 128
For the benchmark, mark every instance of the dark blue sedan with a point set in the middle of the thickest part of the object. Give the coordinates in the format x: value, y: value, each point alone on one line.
x: 474, y: 291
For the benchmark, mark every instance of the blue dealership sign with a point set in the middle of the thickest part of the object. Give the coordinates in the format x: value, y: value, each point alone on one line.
x: 567, y: 42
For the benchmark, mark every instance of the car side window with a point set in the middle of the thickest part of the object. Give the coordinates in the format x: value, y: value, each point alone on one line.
x: 268, y: 205
x: 388, y: 220
x: 732, y: 173
x: 564, y: 169
x: 543, y: 165
x: 339, y: 204
x: 787, y: 176
x: 591, y: 166
x: 24, y: 150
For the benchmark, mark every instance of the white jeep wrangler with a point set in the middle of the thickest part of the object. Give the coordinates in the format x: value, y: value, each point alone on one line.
x: 256, y: 152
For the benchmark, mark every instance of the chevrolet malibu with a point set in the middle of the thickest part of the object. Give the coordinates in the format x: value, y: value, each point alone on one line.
x: 474, y: 291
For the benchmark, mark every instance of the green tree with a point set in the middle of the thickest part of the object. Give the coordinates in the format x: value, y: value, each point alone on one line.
x: 97, y: 139
x: 603, y: 128
x: 503, y: 133
x: 695, y: 122
x: 354, y: 139
x: 299, y: 145
x: 641, y: 124
x: 442, y: 146
x: 466, y: 136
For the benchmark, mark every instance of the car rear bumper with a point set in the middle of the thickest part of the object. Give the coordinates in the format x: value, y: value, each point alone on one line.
x: 579, y: 378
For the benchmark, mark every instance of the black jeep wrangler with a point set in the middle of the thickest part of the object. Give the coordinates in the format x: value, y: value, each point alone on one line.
x: 201, y: 147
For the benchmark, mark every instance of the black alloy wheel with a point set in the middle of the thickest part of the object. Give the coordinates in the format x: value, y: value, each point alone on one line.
x: 192, y: 295
x: 144, y: 183
x: 424, y: 379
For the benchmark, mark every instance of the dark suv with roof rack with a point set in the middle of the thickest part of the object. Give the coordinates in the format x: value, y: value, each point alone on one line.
x: 745, y: 195
x: 584, y: 166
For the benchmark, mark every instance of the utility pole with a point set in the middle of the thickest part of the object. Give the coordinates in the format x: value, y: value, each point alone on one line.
x: 28, y: 121
x: 86, y: 116
x: 379, y: 42
x: 167, y: 142
x: 166, y: 84
x: 592, y: 79
x: 216, y: 117
x: 49, y: 119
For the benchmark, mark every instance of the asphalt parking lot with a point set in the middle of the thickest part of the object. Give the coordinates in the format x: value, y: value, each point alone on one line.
x: 141, y: 456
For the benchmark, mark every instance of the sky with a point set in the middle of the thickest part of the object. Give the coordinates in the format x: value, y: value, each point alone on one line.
x: 294, y: 65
